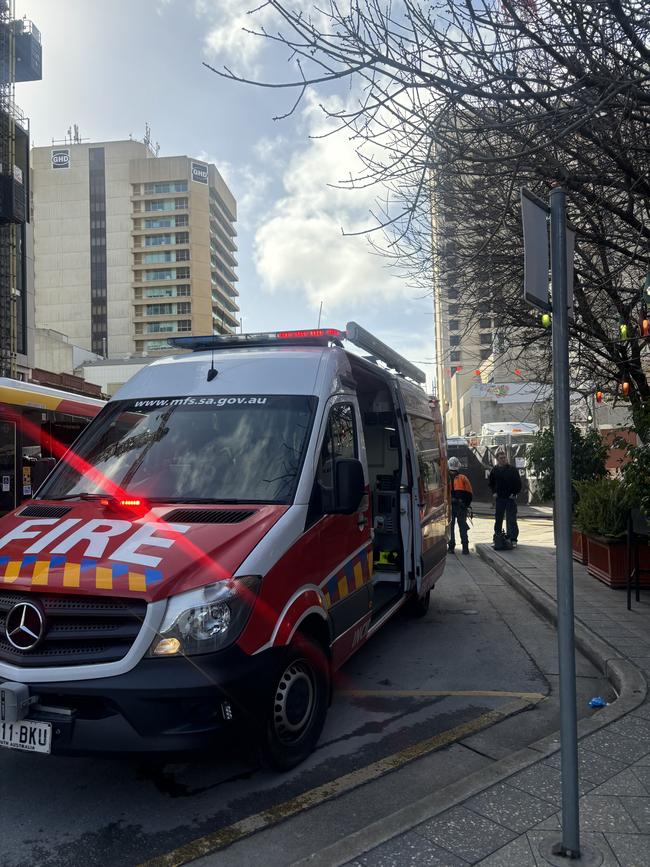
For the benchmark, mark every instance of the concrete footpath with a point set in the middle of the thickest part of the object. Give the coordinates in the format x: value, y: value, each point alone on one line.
x: 511, y: 816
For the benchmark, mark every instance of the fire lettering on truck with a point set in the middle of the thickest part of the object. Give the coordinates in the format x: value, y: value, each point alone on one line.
x: 97, y: 533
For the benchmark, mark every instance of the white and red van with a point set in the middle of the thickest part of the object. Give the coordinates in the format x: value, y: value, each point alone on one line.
x: 229, y: 529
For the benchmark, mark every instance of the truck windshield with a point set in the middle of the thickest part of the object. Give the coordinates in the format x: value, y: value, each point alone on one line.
x: 244, y: 448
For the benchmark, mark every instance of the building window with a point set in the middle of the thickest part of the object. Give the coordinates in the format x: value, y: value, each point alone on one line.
x: 183, y: 273
x: 485, y: 322
x: 184, y: 324
x: 98, y: 261
x: 455, y: 357
x: 166, y: 187
x: 485, y: 354
x: 453, y: 309
x: 454, y: 340
x: 454, y: 325
x: 452, y: 294
x: 182, y: 255
x: 182, y: 237
x: 160, y: 223
x: 160, y: 309
x: 158, y: 240
x: 152, y: 345
x: 155, y: 258
x: 160, y: 274
x: 160, y: 327
x: 181, y: 204
x: 162, y: 204
x: 486, y: 339
x: 182, y: 220
x: 184, y: 307
x: 167, y: 291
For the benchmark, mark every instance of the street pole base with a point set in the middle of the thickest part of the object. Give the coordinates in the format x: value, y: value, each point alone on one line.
x: 556, y: 854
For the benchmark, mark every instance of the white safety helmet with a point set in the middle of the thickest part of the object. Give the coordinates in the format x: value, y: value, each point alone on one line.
x: 454, y: 464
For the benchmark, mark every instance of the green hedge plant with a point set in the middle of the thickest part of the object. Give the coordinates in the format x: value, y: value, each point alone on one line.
x: 603, y: 507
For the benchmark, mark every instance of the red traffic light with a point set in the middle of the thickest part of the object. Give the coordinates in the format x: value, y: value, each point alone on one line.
x: 517, y: 372
x: 625, y: 388
x: 599, y: 397
x: 645, y: 327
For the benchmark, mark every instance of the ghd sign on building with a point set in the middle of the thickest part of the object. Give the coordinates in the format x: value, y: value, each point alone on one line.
x: 200, y: 173
x: 61, y: 158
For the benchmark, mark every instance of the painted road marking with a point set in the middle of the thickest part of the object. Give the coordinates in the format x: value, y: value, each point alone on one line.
x: 435, y: 693
x: 267, y: 818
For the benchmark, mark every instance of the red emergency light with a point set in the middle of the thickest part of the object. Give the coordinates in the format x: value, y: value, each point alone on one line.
x: 311, y: 333
x: 132, y: 504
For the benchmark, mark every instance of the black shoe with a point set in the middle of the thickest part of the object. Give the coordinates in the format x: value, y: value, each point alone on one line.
x: 451, y: 548
x: 465, y: 549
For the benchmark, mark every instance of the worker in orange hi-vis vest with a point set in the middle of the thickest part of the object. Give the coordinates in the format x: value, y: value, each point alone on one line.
x: 461, y: 497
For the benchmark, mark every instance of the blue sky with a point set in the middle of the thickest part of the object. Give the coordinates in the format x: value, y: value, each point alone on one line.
x: 111, y: 67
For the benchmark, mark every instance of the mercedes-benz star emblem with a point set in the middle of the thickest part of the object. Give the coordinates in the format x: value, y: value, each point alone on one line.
x: 25, y: 626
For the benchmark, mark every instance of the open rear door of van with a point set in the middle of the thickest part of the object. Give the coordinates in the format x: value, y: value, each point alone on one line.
x: 426, y: 500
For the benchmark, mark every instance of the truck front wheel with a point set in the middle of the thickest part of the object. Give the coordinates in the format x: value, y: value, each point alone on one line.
x: 298, y: 706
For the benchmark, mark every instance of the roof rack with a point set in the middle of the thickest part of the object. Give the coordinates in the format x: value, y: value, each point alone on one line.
x: 354, y: 333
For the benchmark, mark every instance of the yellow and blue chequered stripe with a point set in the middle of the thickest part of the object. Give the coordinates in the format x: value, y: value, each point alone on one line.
x: 349, y: 578
x: 57, y: 573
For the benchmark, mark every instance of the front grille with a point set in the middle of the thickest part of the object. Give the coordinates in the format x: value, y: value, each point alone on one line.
x: 208, y: 516
x: 80, y: 630
x: 44, y: 511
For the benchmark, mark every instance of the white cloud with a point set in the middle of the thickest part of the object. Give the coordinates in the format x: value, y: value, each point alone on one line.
x: 301, y: 246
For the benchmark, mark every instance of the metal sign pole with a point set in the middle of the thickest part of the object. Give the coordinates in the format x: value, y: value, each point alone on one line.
x: 570, y: 845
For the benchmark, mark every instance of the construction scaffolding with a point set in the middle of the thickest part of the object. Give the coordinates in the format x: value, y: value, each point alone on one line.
x: 8, y: 355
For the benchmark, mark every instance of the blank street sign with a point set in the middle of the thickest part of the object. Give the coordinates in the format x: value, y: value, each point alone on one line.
x: 536, y: 254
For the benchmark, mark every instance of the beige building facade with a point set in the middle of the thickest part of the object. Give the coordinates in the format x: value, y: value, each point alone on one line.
x: 131, y: 248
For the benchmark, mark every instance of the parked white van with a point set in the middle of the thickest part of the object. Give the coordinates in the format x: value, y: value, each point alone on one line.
x: 231, y: 527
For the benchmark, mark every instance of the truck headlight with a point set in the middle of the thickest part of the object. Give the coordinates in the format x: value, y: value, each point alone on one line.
x: 207, y: 619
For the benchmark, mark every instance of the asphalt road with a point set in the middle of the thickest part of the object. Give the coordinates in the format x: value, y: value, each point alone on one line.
x: 431, y: 688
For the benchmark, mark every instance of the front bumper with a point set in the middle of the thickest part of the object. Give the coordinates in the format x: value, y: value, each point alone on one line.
x: 161, y: 705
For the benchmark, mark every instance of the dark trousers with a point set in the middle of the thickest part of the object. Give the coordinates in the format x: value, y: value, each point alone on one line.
x: 458, y: 513
x: 508, y: 507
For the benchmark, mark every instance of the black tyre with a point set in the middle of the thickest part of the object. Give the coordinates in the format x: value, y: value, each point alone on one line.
x: 419, y: 605
x: 298, y: 706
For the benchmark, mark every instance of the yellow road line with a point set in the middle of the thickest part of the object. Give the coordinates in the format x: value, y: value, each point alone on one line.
x: 434, y: 693
x: 239, y: 830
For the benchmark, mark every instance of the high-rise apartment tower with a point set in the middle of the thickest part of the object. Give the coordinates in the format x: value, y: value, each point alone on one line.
x: 131, y: 248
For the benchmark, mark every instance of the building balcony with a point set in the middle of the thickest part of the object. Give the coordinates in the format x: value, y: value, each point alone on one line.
x: 224, y: 317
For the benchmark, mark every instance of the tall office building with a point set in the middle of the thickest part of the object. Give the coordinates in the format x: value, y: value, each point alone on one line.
x: 131, y: 248
x: 479, y: 380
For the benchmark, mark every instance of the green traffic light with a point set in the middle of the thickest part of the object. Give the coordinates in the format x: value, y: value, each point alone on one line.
x: 546, y: 319
x: 623, y: 330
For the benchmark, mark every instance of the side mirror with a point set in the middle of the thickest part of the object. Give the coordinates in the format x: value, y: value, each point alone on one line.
x: 40, y: 471
x: 349, y: 486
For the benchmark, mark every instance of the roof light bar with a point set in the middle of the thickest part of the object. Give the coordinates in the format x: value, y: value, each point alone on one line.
x: 304, y: 337
x: 365, y: 340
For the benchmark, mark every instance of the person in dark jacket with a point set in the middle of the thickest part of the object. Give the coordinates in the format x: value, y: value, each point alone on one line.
x: 461, y: 498
x: 505, y: 484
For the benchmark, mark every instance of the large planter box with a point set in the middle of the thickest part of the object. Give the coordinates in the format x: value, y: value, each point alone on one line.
x: 579, y: 542
x: 607, y: 561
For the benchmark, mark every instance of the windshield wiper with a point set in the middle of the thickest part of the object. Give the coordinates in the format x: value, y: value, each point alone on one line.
x: 199, y: 501
x: 81, y: 495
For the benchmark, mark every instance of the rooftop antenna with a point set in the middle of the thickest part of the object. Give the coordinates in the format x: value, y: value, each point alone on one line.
x: 212, y: 372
